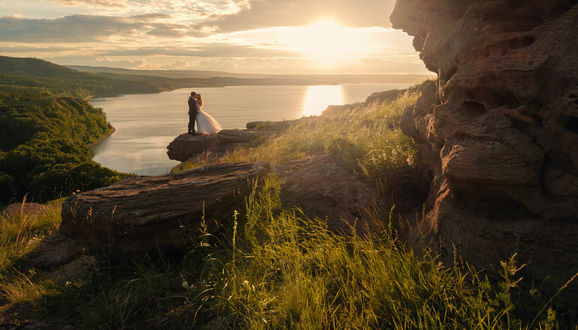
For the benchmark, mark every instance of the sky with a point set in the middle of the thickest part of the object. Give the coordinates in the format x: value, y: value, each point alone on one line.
x: 244, y: 36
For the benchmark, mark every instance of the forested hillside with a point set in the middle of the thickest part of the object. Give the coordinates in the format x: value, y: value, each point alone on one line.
x: 43, y: 144
x: 30, y: 72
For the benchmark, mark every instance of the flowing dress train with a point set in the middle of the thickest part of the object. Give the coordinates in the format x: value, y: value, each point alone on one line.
x: 207, y: 124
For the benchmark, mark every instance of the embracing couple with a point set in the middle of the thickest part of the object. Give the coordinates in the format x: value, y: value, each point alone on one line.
x: 205, y: 123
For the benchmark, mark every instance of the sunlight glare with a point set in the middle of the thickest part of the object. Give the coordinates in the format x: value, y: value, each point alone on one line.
x: 319, y: 97
x: 326, y: 40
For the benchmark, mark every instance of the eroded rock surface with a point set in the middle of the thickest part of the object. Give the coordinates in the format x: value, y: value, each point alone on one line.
x: 149, y: 213
x: 325, y: 188
x: 185, y: 146
x: 62, y: 259
x: 500, y: 129
x: 55, y: 251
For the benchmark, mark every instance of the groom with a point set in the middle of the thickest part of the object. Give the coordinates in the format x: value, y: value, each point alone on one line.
x: 192, y: 113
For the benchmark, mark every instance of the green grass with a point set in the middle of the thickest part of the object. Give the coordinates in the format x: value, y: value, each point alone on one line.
x: 283, y: 270
x: 19, y: 234
x: 272, y: 267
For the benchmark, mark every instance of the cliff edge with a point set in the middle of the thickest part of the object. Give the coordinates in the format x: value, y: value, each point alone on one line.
x: 499, y: 129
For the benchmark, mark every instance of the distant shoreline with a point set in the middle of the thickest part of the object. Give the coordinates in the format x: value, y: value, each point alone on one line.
x: 265, y: 84
x: 336, y: 78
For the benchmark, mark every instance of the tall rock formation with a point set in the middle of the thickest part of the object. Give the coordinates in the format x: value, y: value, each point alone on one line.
x: 500, y: 129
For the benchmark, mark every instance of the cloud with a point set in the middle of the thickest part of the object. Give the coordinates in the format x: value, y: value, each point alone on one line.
x: 177, y: 18
x: 204, y: 8
x: 133, y: 64
x: 202, y: 50
x: 231, y: 50
x: 176, y: 50
x: 267, y: 13
x: 150, y: 17
x: 33, y: 48
x: 235, y: 35
x: 85, y: 28
x: 175, y: 65
x: 96, y: 3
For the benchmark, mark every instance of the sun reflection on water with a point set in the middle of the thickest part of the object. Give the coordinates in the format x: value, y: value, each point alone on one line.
x: 319, y: 97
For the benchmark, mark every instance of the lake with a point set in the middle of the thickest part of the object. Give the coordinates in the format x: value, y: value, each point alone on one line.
x: 146, y: 123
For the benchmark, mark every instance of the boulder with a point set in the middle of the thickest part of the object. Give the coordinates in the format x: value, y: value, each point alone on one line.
x: 499, y: 129
x: 185, y: 146
x: 62, y: 259
x: 149, y: 213
x: 55, y: 251
x: 323, y: 187
x: 18, y: 209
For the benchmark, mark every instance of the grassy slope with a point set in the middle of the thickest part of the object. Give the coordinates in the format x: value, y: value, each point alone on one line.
x: 274, y: 268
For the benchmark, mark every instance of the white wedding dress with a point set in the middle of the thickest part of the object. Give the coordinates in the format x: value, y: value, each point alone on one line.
x: 206, y: 124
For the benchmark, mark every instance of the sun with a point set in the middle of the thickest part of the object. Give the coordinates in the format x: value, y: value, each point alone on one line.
x: 326, y: 40
x: 325, y: 43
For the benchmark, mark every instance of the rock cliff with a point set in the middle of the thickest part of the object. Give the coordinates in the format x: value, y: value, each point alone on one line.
x: 500, y: 129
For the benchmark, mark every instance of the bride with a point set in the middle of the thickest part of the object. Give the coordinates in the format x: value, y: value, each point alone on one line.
x: 205, y: 123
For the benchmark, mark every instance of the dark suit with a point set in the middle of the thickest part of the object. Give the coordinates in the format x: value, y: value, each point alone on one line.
x: 193, y: 110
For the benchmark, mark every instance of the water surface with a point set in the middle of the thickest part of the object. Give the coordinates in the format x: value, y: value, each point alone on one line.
x: 146, y: 123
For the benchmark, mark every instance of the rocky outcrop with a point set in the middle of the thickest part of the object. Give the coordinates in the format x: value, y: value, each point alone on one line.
x: 323, y: 187
x: 21, y: 209
x: 157, y: 213
x: 185, y: 146
x: 62, y: 259
x: 150, y: 213
x: 54, y: 251
x: 500, y: 129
